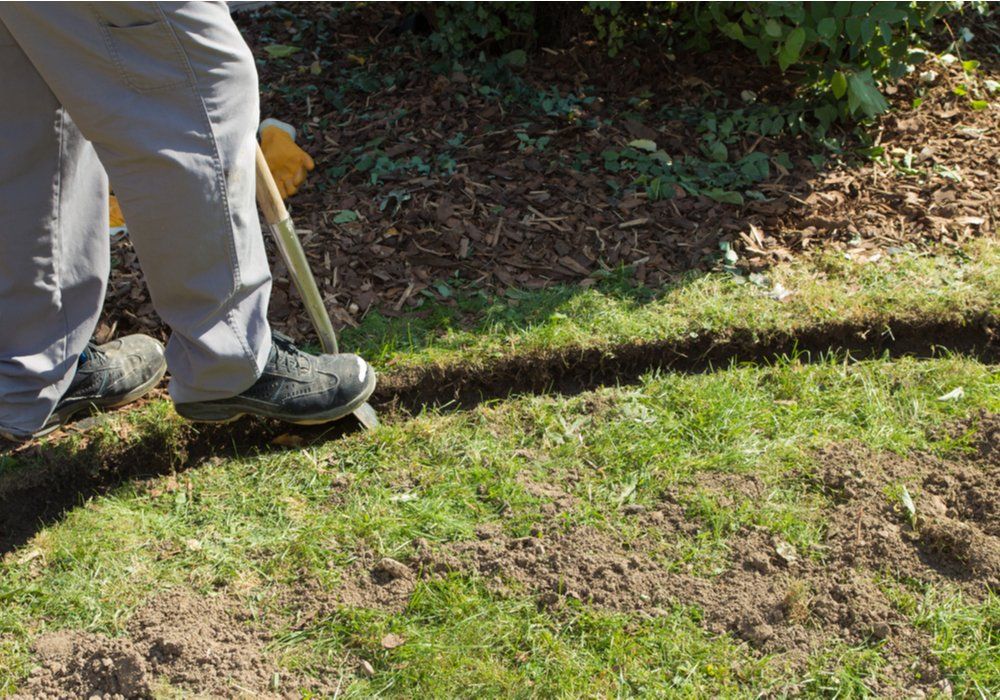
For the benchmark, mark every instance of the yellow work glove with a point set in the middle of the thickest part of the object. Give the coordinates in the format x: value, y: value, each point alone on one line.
x: 288, y: 163
x: 117, y: 220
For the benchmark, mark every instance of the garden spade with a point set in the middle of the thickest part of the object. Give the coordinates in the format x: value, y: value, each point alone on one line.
x: 283, y: 229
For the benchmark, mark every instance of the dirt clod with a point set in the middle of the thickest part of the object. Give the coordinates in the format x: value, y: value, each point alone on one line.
x: 368, y: 583
x: 966, y: 546
x: 386, y: 570
x: 756, y: 632
x: 201, y: 642
x: 79, y: 664
x: 758, y: 562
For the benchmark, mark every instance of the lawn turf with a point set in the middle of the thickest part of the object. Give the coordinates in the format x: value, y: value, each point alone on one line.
x: 259, y: 525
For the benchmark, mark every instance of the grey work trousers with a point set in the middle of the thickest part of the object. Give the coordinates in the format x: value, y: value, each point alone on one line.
x: 163, y: 97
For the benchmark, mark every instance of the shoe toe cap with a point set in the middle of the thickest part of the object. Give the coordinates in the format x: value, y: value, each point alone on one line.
x: 354, y: 375
x: 145, y: 354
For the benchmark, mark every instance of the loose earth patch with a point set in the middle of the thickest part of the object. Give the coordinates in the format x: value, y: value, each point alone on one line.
x: 781, y: 602
x: 192, y: 642
x: 204, y: 646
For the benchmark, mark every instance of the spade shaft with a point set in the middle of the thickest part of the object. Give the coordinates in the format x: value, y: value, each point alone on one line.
x: 283, y: 229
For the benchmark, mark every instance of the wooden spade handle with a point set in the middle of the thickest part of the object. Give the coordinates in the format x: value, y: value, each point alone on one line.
x: 268, y: 196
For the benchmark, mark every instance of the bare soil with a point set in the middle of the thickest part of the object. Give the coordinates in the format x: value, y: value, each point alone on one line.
x: 203, y: 646
x: 954, y: 535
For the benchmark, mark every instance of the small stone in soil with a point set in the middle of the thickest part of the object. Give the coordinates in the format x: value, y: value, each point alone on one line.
x: 756, y: 633
x: 387, y: 569
x: 881, y: 630
x: 757, y: 562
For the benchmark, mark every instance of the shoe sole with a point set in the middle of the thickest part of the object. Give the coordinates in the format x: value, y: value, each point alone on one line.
x: 63, y: 416
x: 228, y: 414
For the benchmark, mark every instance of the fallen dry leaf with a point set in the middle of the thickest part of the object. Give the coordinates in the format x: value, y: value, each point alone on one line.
x: 288, y: 440
x: 391, y: 641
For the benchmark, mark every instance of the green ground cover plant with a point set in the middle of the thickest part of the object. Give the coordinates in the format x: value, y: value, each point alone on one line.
x: 839, y: 52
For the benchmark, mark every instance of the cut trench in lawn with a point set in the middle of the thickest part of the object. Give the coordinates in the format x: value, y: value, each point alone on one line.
x: 573, y: 370
x: 49, y: 479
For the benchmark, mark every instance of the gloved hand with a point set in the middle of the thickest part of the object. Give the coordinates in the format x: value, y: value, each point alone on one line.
x: 288, y: 163
x: 117, y: 219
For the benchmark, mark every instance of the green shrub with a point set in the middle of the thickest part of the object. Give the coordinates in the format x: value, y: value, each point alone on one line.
x: 837, y: 52
x: 464, y: 27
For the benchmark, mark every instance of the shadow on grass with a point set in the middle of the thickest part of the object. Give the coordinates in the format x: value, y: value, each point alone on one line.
x: 40, y: 483
x: 574, y: 369
x: 475, y: 312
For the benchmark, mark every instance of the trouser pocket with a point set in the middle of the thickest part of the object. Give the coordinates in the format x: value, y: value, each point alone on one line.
x: 147, y: 55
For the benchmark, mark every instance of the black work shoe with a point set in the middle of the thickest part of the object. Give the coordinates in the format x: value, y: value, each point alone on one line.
x: 295, y: 387
x: 107, y: 376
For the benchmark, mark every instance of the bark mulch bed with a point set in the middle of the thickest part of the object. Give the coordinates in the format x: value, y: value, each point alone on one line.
x: 486, y: 207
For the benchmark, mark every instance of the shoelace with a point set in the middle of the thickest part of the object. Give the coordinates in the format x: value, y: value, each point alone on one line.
x: 286, y: 356
x: 92, y: 352
x: 91, y: 355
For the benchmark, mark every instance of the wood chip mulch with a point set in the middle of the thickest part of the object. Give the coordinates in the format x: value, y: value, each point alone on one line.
x: 487, y: 208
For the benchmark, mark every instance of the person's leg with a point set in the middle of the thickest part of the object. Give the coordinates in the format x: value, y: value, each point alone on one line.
x: 54, y: 256
x: 167, y: 93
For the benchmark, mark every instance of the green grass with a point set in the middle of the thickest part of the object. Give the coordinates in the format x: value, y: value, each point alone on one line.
x: 527, y: 653
x: 827, y: 288
x: 258, y: 524
x: 966, y: 637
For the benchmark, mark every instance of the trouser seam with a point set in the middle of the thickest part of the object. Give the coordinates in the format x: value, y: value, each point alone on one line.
x: 57, y: 233
x: 223, y: 194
